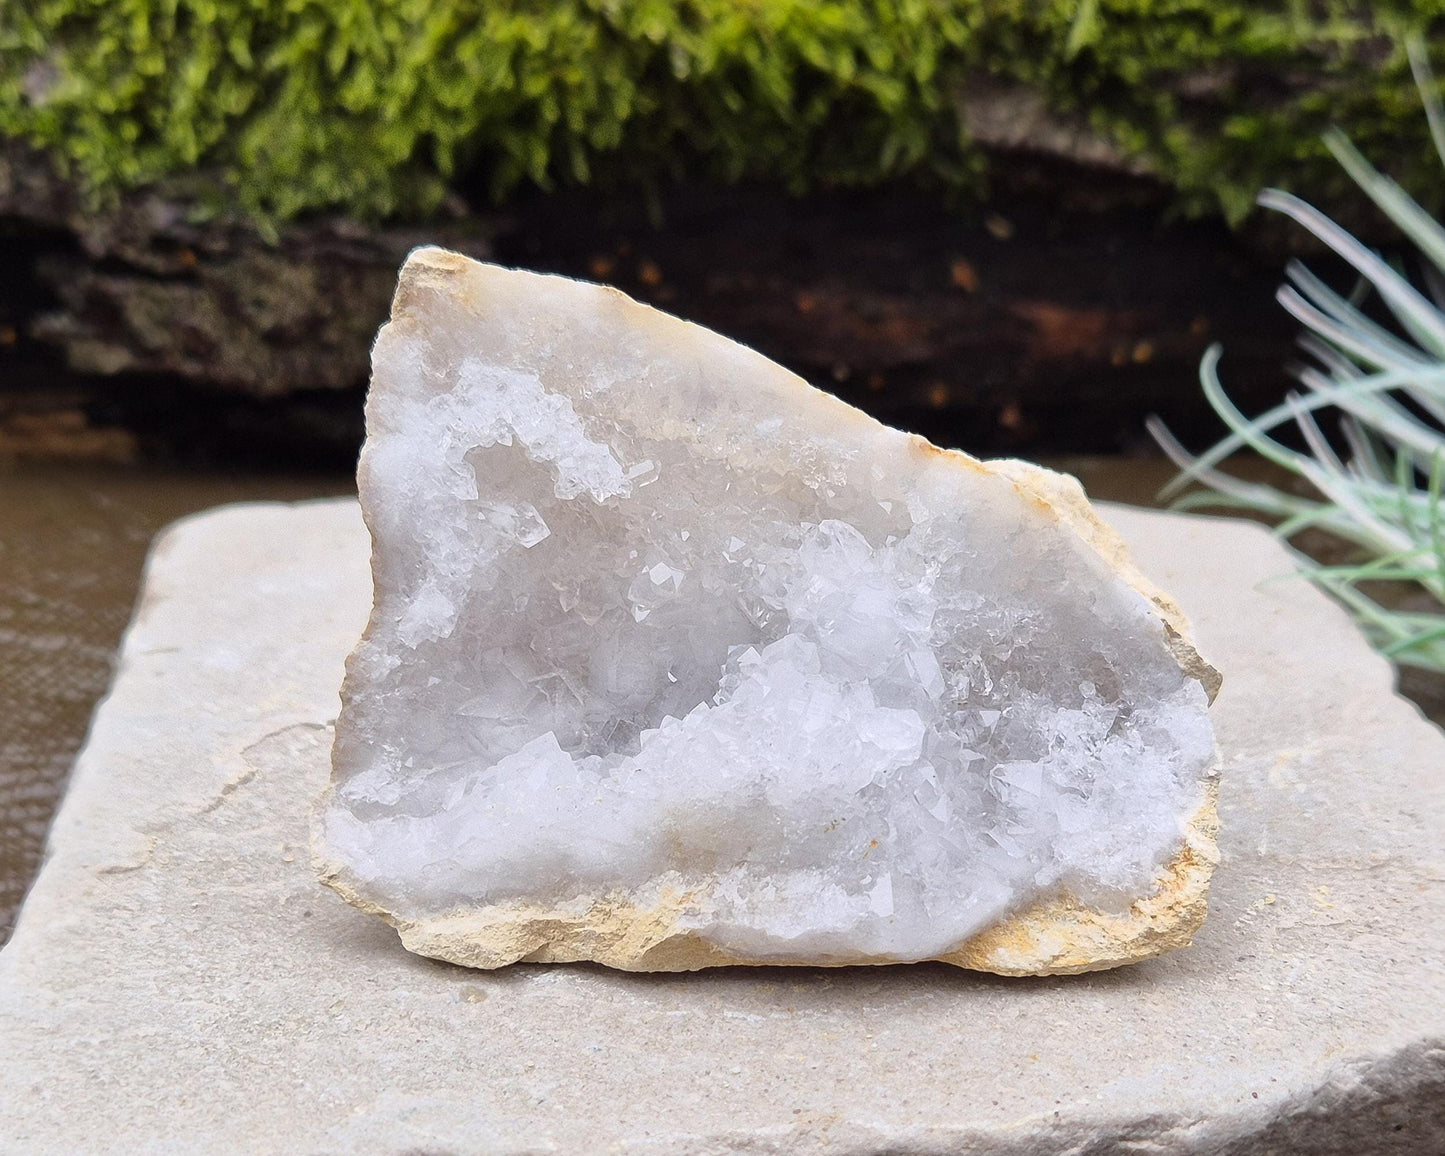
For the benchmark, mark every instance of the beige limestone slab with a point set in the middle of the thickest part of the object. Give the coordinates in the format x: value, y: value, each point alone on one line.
x: 179, y: 982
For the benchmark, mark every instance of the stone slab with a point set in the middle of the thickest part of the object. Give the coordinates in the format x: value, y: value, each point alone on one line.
x: 179, y: 982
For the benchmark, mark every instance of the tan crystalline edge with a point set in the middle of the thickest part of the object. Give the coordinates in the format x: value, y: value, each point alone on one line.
x: 1055, y: 936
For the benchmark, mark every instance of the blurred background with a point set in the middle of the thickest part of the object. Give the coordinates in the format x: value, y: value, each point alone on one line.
x: 1014, y: 227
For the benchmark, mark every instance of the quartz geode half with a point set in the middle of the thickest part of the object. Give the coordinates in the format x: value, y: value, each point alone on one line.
x: 676, y: 661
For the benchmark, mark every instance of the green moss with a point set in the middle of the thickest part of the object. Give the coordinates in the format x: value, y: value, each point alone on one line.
x: 374, y: 106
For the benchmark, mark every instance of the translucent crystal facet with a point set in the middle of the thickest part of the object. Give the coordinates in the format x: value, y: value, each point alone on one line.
x: 660, y: 628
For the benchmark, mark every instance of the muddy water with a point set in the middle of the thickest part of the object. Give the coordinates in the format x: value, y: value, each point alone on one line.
x: 72, y: 544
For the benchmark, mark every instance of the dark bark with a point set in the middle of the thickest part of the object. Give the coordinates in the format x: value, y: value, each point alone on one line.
x: 1052, y: 318
x: 149, y: 287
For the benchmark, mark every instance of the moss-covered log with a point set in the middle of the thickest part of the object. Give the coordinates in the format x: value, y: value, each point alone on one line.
x: 203, y: 202
x: 379, y: 107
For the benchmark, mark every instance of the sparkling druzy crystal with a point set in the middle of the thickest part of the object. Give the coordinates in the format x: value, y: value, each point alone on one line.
x: 676, y: 661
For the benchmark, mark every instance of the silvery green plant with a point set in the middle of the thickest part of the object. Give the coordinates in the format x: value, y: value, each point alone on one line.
x: 1386, y: 387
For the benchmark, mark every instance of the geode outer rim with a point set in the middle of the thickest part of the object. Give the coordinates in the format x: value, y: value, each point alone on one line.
x: 1055, y: 936
x: 1058, y: 935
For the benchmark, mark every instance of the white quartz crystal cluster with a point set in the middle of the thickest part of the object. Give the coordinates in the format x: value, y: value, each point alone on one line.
x: 660, y: 629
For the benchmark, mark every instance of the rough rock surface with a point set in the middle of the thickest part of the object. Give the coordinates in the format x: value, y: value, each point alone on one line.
x: 179, y: 982
x: 677, y: 661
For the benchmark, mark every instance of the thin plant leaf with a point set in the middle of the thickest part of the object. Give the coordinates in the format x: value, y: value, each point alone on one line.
x: 1413, y: 310
x: 1429, y: 91
x: 1383, y: 495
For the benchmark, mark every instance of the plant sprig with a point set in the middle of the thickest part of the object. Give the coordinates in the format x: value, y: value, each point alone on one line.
x: 1387, y: 389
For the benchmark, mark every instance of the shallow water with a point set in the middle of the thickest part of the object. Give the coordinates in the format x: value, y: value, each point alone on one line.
x: 73, y: 542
